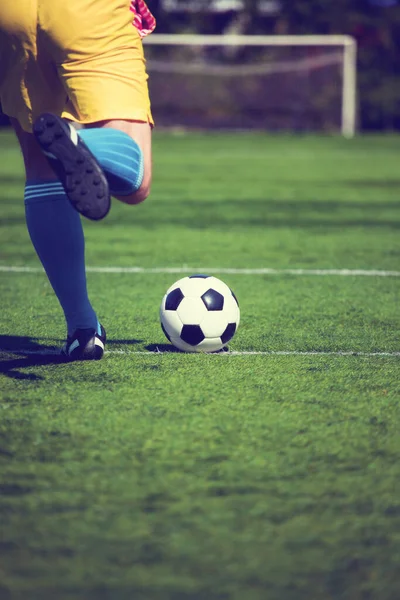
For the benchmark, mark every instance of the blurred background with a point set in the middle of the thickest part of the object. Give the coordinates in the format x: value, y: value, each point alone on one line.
x: 274, y: 88
x: 374, y: 24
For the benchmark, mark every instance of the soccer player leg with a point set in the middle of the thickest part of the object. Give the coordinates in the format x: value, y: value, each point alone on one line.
x: 78, y: 170
x: 56, y: 232
x: 105, y: 77
x: 123, y: 150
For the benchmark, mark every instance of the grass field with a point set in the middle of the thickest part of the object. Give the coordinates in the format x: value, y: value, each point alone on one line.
x: 166, y: 476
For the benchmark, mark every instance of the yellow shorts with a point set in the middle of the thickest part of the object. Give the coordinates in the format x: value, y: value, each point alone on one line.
x: 80, y: 59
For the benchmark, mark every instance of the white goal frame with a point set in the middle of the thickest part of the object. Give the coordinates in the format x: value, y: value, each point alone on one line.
x: 349, y: 67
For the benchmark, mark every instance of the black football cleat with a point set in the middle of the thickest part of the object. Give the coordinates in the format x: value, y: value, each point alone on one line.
x: 85, y: 344
x: 78, y: 170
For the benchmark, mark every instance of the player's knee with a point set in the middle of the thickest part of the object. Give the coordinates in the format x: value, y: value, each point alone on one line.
x: 142, y: 193
x: 137, y: 197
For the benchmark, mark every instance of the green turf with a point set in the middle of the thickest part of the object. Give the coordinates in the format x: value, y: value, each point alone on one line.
x: 232, y: 477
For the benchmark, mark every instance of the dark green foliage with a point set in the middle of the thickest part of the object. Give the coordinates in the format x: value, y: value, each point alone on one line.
x: 376, y: 29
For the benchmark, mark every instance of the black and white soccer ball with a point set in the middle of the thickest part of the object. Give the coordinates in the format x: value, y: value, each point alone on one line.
x: 199, y: 313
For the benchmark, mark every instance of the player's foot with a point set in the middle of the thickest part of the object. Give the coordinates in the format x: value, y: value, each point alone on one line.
x: 78, y: 170
x: 85, y: 344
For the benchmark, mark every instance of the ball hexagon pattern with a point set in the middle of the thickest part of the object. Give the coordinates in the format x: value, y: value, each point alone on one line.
x: 191, y: 311
x: 174, y: 299
x: 213, y: 300
x: 192, y: 334
x: 199, y: 313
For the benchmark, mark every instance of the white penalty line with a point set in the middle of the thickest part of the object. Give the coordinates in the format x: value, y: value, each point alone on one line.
x: 217, y: 270
x: 262, y: 353
x: 172, y: 352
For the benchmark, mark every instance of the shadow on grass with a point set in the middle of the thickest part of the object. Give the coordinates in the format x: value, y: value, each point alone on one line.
x: 163, y: 348
x: 168, y: 348
x: 31, y: 353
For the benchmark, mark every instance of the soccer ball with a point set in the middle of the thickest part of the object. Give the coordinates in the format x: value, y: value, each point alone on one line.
x: 199, y: 313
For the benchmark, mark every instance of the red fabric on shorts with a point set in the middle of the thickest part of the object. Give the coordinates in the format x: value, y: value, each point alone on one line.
x: 143, y: 20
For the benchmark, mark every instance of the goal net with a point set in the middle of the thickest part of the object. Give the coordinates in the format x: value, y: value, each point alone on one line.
x: 276, y: 83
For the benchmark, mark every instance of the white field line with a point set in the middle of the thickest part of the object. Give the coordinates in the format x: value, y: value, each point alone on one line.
x: 218, y: 270
x: 272, y: 353
x: 265, y: 353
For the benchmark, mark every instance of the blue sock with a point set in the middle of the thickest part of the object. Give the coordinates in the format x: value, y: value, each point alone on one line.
x: 56, y: 232
x: 118, y: 155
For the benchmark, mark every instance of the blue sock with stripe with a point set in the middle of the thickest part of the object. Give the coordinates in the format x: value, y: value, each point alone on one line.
x: 56, y: 232
x: 118, y: 155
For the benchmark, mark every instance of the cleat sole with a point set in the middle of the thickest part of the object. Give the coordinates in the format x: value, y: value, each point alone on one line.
x: 75, y: 166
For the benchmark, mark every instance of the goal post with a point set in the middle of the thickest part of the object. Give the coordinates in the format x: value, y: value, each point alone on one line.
x: 160, y: 61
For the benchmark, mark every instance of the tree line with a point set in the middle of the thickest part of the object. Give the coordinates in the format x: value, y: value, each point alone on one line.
x: 375, y: 24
